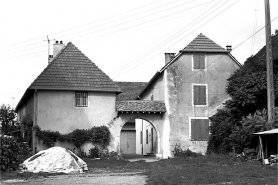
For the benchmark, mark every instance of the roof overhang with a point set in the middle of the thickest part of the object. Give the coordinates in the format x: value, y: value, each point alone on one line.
x: 273, y: 131
x: 141, y: 106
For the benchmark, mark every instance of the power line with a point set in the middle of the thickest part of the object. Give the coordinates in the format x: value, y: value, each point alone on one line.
x: 233, y: 49
x: 122, y: 29
x: 88, y: 23
x: 183, y: 37
x: 165, y: 41
x: 121, y: 24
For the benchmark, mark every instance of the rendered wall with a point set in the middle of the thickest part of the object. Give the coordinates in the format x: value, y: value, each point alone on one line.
x: 56, y: 112
x: 142, y: 125
x: 180, y: 78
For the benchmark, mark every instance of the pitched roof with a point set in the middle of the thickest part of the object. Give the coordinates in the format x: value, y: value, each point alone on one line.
x: 130, y: 90
x: 140, y: 106
x: 200, y: 44
x: 72, y: 70
x: 203, y: 44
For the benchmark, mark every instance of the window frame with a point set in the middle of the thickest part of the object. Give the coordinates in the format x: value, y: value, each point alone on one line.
x: 192, y: 63
x: 192, y: 87
x: 75, y: 102
x: 190, y: 134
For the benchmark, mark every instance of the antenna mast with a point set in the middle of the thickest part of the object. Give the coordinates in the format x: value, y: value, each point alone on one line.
x: 48, y: 40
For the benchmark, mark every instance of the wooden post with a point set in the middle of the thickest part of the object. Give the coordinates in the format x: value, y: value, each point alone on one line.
x: 269, y: 65
x: 261, y: 146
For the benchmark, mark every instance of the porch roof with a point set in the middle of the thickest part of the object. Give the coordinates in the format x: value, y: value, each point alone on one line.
x: 142, y: 106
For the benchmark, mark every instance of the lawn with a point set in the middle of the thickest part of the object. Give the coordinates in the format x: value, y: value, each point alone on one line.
x: 213, y: 169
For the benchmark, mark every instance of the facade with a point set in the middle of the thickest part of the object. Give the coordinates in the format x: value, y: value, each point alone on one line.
x: 143, y: 118
x: 192, y: 85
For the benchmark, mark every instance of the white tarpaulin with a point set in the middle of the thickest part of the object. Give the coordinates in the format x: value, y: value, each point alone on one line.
x: 54, y: 160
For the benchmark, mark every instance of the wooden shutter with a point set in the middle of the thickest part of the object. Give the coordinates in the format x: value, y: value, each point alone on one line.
x: 202, y: 62
x: 199, y: 61
x: 199, y: 129
x: 200, y: 95
x: 196, y: 61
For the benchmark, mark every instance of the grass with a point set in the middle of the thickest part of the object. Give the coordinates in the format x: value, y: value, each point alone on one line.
x: 214, y: 169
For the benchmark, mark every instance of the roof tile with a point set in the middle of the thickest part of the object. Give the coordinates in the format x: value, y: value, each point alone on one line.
x: 72, y: 70
x: 141, y: 106
x: 203, y: 44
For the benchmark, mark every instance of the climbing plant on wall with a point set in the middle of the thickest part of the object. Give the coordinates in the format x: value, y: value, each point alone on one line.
x: 96, y: 135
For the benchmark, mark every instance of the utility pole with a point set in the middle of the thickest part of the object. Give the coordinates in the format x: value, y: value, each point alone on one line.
x: 269, y: 65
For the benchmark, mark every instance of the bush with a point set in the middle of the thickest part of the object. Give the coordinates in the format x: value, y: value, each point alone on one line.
x: 12, y: 153
x: 96, y: 135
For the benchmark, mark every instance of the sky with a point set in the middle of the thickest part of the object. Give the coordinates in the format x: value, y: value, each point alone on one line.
x: 126, y: 39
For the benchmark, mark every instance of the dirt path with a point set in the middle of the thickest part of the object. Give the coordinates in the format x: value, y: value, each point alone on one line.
x: 124, y: 178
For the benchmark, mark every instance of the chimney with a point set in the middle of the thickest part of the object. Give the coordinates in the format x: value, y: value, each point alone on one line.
x: 57, y: 47
x: 229, y: 48
x: 169, y: 57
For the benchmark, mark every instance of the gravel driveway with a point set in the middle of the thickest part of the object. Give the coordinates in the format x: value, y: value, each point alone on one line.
x: 124, y: 178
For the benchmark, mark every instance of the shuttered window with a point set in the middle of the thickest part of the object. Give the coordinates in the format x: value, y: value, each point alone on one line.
x: 200, y: 94
x: 199, y: 129
x: 199, y: 61
x: 81, y: 99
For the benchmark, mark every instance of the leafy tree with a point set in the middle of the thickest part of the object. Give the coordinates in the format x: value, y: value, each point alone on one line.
x: 8, y: 121
x: 232, y: 127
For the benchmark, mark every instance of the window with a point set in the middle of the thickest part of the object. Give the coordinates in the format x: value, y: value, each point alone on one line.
x: 147, y: 137
x: 81, y: 99
x: 199, y: 95
x: 199, y: 61
x: 199, y: 129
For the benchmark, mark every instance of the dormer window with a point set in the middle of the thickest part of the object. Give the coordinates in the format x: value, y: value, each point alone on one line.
x: 199, y: 62
x: 81, y: 99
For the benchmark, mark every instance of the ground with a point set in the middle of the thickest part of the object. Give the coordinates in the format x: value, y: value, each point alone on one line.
x: 189, y: 170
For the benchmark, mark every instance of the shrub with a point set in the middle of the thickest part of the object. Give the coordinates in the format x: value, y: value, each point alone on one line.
x: 94, y: 152
x: 96, y: 135
x: 12, y: 153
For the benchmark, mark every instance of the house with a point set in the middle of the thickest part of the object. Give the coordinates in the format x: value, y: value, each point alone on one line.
x: 192, y: 85
x: 71, y: 92
x: 143, y: 118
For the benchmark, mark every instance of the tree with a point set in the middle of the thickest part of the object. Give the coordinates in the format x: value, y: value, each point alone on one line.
x: 232, y: 127
x: 8, y: 121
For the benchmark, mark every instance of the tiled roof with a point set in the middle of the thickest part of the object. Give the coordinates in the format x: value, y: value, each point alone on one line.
x: 72, y: 70
x: 203, y: 44
x: 140, y: 106
x: 130, y: 90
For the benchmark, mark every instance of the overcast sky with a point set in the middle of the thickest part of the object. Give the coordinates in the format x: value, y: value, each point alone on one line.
x: 127, y: 39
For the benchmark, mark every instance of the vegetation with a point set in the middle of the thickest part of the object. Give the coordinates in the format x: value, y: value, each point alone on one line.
x: 245, y: 113
x: 100, y: 136
x: 211, y: 169
x: 12, y: 153
x: 8, y: 122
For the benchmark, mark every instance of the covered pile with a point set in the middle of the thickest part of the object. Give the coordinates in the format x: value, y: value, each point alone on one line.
x: 54, y: 160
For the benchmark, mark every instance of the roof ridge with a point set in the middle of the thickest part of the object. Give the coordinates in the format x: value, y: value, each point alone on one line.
x: 65, y: 72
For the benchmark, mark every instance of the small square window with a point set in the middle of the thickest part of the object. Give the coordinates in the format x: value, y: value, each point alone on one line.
x: 81, y: 99
x: 199, y: 61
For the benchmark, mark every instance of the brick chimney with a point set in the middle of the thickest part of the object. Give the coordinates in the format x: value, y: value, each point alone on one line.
x: 57, y: 47
x: 169, y: 57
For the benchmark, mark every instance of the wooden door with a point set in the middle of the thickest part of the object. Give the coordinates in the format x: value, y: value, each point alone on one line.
x: 128, y: 142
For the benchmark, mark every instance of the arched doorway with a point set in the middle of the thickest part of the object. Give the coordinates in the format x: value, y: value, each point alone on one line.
x: 139, y: 136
